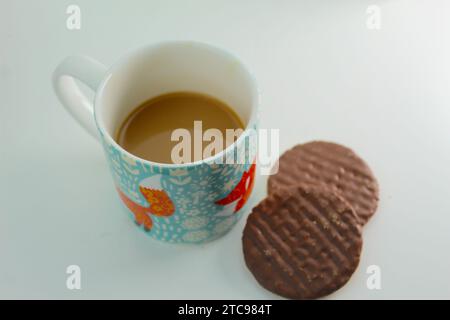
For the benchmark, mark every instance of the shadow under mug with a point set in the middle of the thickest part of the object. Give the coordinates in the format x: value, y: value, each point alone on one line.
x: 187, y: 203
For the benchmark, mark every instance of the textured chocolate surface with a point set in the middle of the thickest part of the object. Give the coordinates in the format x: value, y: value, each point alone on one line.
x: 333, y: 166
x: 303, y: 242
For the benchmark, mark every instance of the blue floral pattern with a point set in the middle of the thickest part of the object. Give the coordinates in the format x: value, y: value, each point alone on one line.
x: 193, y: 190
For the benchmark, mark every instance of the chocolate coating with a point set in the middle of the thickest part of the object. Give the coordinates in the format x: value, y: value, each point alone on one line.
x: 333, y: 166
x: 303, y: 242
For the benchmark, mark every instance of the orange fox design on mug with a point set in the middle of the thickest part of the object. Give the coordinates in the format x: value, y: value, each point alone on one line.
x: 242, y: 190
x: 160, y: 205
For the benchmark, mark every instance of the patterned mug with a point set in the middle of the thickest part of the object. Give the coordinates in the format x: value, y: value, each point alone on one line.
x: 188, y: 203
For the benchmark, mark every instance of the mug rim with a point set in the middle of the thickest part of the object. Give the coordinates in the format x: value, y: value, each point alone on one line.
x: 129, y: 55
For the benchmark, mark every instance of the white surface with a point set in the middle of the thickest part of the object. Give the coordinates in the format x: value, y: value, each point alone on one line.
x: 323, y: 75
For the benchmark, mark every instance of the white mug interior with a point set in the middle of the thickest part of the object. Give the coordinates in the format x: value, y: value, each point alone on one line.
x: 173, y: 67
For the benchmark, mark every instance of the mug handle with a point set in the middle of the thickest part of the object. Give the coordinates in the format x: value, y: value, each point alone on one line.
x: 88, y: 71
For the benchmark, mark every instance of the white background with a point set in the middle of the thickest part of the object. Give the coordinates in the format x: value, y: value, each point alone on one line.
x: 322, y: 74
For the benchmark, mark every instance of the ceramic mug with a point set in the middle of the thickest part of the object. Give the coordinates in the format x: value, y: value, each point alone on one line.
x: 187, y: 203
